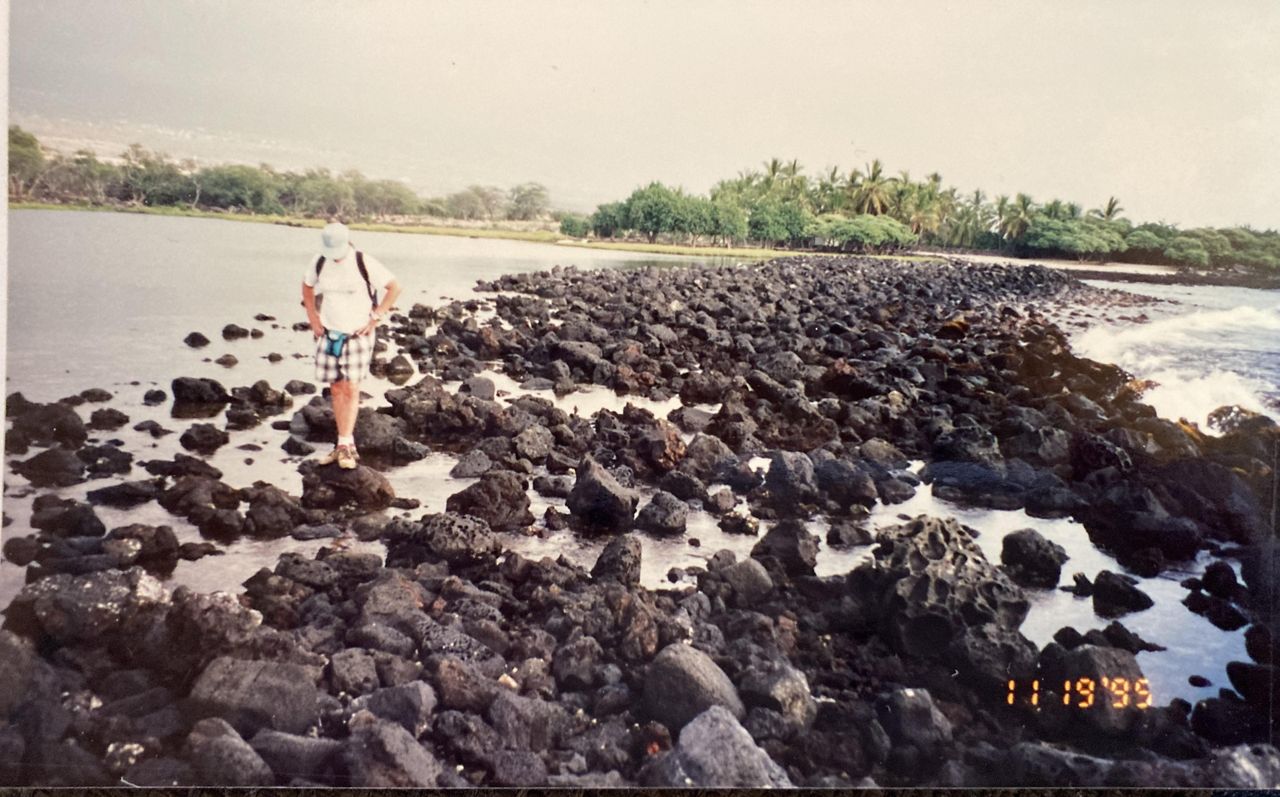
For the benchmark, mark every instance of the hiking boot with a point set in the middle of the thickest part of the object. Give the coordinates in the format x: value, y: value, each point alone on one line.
x: 347, y: 457
x: 330, y: 458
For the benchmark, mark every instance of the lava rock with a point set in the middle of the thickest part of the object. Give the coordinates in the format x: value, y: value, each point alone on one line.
x: 1031, y: 560
x: 331, y: 487
x: 1115, y: 594
x: 682, y: 682
x: 471, y: 464
x: 909, y: 716
x: 714, y: 752
x: 55, y: 467
x: 204, y: 438
x: 664, y: 514
x: 598, y: 501
x: 193, y: 390
x: 220, y: 757
x: 791, y: 546
x: 381, y: 754
x: 499, y: 498
x: 619, y: 561
x: 258, y: 694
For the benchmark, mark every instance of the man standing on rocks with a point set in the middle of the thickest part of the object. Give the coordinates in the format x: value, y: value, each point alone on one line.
x: 343, y: 319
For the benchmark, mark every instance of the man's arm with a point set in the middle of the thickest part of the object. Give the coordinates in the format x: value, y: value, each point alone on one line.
x: 390, y: 292
x: 313, y: 317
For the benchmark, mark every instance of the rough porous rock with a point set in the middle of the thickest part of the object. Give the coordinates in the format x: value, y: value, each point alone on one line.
x: 619, y: 561
x: 331, y: 487
x: 381, y: 755
x: 73, y: 609
x: 935, y: 595
x: 499, y: 498
x: 447, y: 536
x: 664, y: 514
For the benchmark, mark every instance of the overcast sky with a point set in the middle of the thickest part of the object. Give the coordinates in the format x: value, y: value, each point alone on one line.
x: 1174, y: 107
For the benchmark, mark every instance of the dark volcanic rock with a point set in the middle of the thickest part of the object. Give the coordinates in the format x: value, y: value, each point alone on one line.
x: 127, y: 494
x: 1031, y: 560
x: 220, y: 757
x: 55, y: 467
x: 598, y: 501
x: 63, y: 517
x: 499, y: 498
x: 258, y: 694
x: 935, y: 595
x: 381, y: 754
x: 454, y: 538
x: 714, y: 752
x: 293, y: 756
x: 331, y: 487
x: 105, y: 460
x: 664, y: 514
x: 1115, y: 594
x: 791, y: 546
x: 48, y: 424
x: 791, y: 478
x: 107, y: 419
x: 683, y: 682
x: 193, y: 390
x: 472, y: 463
x: 619, y: 561
x: 204, y: 438
x: 909, y: 716
x: 1111, y: 711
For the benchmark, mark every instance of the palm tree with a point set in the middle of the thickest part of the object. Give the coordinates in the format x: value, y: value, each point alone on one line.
x: 1017, y: 218
x: 872, y: 194
x: 1073, y: 210
x: 827, y: 194
x: 772, y: 170
x: 1109, y: 211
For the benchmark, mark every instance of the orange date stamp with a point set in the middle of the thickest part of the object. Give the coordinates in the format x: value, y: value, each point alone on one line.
x: 1084, y: 693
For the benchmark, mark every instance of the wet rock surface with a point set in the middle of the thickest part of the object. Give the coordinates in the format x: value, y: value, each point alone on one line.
x: 454, y: 662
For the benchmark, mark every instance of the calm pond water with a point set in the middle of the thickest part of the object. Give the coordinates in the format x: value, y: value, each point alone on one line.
x: 104, y: 300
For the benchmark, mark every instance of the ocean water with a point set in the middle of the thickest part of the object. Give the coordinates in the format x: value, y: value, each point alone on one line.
x: 1203, y: 348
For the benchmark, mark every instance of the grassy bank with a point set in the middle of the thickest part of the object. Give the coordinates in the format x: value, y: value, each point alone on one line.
x: 535, y: 236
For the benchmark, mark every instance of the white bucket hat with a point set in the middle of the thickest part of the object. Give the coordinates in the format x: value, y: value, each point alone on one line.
x: 335, y: 241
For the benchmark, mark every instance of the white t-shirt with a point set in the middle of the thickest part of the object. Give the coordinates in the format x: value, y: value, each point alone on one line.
x: 346, y: 304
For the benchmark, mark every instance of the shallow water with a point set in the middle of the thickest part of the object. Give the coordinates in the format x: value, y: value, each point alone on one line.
x: 197, y: 274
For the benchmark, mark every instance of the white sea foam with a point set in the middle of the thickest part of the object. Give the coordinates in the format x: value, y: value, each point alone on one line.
x: 1199, y: 361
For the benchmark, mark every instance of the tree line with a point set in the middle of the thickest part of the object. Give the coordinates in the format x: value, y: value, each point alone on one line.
x: 153, y: 179
x: 868, y: 209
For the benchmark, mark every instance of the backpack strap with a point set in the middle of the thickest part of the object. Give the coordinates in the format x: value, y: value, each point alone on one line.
x: 319, y: 267
x: 364, y: 272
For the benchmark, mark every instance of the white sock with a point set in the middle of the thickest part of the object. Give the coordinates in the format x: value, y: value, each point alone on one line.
x: 346, y: 440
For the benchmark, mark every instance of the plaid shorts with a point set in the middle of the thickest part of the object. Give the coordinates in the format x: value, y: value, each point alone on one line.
x: 351, y: 366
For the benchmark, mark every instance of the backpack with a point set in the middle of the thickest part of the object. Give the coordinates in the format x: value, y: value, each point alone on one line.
x: 364, y: 272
